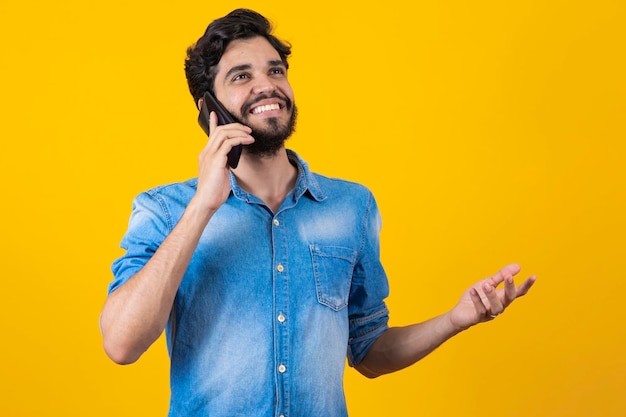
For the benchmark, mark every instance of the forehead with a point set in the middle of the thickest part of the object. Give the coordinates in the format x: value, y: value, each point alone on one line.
x: 251, y: 52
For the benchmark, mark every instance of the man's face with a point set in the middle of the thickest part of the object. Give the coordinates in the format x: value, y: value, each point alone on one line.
x: 251, y: 82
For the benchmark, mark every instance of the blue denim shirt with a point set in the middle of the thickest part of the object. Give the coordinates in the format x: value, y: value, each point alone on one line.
x: 271, y: 303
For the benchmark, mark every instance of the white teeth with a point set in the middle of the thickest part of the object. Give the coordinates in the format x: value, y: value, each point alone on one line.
x: 267, y: 107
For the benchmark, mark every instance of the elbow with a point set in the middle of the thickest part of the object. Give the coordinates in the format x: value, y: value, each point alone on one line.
x: 366, y: 372
x: 119, y: 353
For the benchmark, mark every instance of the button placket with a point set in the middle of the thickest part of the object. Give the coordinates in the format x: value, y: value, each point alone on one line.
x: 281, y: 305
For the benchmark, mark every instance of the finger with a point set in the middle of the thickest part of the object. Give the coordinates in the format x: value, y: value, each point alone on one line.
x: 495, y: 304
x: 481, y: 310
x: 510, y: 291
x: 523, y: 288
x: 225, y: 142
x: 233, y: 141
x: 215, y: 152
x: 507, y: 271
x: 212, y: 121
x: 222, y: 133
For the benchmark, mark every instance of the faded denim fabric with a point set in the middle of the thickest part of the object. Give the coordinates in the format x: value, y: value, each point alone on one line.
x: 271, y: 303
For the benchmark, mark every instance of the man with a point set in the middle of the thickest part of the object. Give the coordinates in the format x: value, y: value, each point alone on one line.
x: 264, y: 276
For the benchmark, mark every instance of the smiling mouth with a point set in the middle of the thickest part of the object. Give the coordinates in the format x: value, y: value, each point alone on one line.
x: 265, y: 108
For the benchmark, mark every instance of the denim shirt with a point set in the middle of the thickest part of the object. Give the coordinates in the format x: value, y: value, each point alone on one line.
x: 271, y: 303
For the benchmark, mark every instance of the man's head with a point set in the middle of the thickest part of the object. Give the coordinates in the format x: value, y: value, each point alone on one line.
x: 245, y: 66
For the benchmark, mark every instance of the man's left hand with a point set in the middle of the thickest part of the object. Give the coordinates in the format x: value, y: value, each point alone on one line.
x: 484, y: 301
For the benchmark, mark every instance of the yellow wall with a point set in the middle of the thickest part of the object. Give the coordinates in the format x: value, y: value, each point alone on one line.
x: 490, y: 131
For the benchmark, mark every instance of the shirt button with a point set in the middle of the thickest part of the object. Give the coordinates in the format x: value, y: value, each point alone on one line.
x: 281, y: 318
x: 282, y: 368
x: 276, y: 222
x: 280, y: 268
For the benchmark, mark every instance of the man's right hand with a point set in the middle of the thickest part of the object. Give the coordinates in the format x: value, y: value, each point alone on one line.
x: 213, y: 169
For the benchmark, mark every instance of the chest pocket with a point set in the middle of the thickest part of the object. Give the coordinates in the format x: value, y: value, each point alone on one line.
x: 332, y: 268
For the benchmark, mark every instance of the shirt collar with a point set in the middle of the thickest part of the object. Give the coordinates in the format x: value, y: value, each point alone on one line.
x: 306, y: 181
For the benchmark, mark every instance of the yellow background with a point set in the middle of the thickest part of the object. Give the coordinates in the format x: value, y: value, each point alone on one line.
x: 490, y: 131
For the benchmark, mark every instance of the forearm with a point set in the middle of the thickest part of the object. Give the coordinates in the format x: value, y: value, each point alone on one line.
x: 136, y: 313
x: 400, y: 347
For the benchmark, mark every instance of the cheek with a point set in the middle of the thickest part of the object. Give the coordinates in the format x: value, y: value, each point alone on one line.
x: 230, y: 99
x: 233, y: 104
x: 288, y: 92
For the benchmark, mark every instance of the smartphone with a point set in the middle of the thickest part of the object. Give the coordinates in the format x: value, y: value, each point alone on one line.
x: 209, y: 104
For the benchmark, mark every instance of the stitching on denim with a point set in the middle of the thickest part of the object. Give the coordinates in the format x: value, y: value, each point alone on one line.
x: 155, y: 194
x: 369, y: 330
x: 330, y: 254
x: 374, y: 319
x: 365, y: 224
x: 362, y: 320
x: 317, y: 253
x: 166, y: 213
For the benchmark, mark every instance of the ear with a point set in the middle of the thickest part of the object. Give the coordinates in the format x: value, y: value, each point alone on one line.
x: 200, y: 103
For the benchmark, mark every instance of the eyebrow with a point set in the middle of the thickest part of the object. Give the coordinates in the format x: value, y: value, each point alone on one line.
x: 244, y: 67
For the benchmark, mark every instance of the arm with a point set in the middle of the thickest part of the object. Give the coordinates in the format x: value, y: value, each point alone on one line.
x: 400, y: 347
x: 135, y: 314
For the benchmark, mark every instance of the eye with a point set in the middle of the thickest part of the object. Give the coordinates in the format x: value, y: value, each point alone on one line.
x: 277, y: 71
x: 241, y: 76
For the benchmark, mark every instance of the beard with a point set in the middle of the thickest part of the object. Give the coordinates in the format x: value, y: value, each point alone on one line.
x: 271, y: 137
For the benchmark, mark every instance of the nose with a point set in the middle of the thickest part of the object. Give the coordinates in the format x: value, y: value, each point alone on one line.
x: 263, y: 84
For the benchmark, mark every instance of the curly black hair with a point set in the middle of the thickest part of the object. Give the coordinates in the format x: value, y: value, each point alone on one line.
x: 205, y: 54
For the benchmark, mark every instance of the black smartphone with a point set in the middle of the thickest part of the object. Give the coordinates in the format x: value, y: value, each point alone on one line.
x: 209, y: 104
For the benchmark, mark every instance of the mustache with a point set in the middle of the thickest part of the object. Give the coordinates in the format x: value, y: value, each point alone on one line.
x: 246, y: 107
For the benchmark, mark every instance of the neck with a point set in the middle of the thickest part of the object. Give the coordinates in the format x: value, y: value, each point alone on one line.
x: 270, y: 178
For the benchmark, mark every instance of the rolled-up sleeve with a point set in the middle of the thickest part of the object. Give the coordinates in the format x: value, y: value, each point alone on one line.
x: 148, y: 227
x: 368, y: 312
